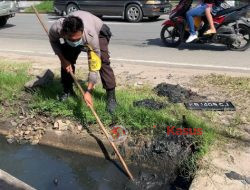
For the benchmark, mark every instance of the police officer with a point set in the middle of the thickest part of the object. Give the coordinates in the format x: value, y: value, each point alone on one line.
x: 68, y: 37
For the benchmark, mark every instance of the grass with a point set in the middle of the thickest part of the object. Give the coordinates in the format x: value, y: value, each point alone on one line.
x: 44, y: 7
x: 235, y: 89
x: 202, y: 144
x: 231, y: 83
x: 12, y: 79
x: 126, y: 114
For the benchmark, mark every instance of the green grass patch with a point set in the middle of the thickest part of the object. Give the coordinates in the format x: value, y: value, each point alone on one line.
x: 12, y: 79
x: 202, y: 144
x: 44, y: 7
x: 126, y: 114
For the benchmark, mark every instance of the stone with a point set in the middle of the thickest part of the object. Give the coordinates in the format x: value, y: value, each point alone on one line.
x: 32, y: 133
x: 29, y: 128
x: 20, y: 133
x: 13, y: 123
x: 71, y: 128
x: 63, y: 128
x: 26, y: 137
x: 34, y: 142
x: 26, y: 132
x: 67, y: 122
x: 36, y: 137
x: 9, y: 136
x: 10, y: 140
x: 37, y: 128
x: 56, y: 124
x: 79, y: 127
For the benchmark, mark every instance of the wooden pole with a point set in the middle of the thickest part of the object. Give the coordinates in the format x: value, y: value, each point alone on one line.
x: 92, y: 109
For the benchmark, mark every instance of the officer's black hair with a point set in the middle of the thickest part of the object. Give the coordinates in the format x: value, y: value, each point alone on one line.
x: 71, y: 25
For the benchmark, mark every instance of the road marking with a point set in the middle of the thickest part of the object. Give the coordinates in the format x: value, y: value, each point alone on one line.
x: 112, y: 23
x: 20, y: 51
x: 122, y: 23
x: 183, y: 64
x: 145, y: 61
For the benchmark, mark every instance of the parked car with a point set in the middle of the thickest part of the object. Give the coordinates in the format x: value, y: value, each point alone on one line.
x: 7, y: 10
x: 131, y: 10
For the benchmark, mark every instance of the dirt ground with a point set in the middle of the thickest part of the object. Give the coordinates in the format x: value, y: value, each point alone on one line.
x: 227, y: 166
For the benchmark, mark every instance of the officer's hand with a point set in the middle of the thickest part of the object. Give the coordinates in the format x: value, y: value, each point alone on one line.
x: 67, y: 66
x: 88, y: 99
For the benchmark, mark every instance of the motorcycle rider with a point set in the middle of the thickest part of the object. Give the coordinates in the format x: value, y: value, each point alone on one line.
x: 212, y: 10
x: 204, y: 7
x: 209, y: 16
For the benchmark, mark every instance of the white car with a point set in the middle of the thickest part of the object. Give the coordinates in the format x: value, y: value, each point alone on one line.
x: 7, y: 10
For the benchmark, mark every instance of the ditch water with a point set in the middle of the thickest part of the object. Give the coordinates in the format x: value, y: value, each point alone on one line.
x: 155, y: 167
x: 46, y: 168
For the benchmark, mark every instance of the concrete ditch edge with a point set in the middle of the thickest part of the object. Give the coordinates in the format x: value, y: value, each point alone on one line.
x: 9, y: 182
x: 88, y: 145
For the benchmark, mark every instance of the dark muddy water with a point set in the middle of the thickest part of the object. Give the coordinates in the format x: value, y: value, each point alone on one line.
x: 47, y: 168
x: 155, y: 166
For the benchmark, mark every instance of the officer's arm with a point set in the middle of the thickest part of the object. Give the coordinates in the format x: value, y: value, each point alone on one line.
x: 54, y: 37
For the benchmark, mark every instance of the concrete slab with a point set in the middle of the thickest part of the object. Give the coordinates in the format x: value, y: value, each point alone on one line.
x: 9, y: 182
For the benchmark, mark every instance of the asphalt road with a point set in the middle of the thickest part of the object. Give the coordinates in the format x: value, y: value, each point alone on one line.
x: 137, y: 43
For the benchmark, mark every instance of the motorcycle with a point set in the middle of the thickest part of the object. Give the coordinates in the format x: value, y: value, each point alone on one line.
x: 233, y: 29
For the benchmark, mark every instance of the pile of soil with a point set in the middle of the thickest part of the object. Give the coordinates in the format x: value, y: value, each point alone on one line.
x: 150, y: 104
x: 159, y: 161
x: 176, y: 93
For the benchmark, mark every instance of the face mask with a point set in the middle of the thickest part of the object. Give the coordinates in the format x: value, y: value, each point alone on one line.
x: 75, y: 44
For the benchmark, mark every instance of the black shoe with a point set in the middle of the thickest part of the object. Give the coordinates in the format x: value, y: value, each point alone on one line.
x: 65, y: 95
x: 111, y: 101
